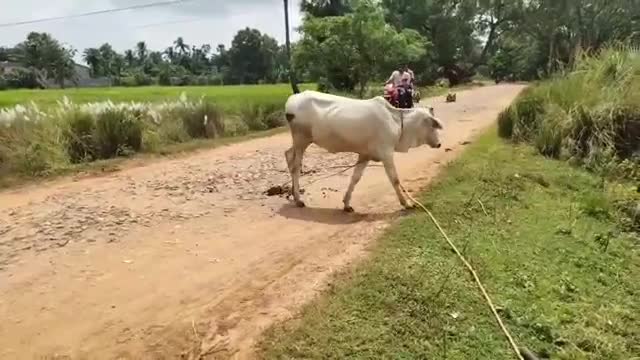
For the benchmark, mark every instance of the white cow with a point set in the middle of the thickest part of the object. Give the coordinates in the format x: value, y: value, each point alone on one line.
x: 371, y: 128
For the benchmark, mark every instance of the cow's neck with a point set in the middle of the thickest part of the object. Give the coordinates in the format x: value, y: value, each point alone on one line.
x: 408, y: 138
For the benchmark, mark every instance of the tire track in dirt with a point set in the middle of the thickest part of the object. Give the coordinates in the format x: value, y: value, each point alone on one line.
x: 188, y: 257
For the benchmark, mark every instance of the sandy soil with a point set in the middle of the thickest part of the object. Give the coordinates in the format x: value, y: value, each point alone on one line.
x: 187, y: 257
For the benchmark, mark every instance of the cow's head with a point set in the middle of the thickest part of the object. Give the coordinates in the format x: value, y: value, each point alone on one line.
x: 429, y: 129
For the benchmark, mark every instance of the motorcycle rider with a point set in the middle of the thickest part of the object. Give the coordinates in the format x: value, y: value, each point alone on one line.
x: 402, y: 80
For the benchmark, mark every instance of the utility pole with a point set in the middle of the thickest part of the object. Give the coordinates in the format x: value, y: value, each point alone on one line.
x: 292, y: 77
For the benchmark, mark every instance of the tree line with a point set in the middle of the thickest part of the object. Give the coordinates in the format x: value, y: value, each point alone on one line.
x: 252, y: 58
x: 457, y: 39
x: 346, y: 44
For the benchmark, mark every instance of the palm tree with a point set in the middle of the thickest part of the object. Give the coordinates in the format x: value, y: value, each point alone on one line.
x: 93, y: 58
x: 141, y: 51
x: 117, y: 65
x: 170, y: 54
x: 181, y: 46
x: 130, y: 58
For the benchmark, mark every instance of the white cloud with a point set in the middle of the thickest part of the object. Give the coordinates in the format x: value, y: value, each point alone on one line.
x: 197, y: 21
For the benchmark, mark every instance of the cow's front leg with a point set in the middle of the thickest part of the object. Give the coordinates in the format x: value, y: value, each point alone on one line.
x: 355, y: 178
x: 390, y: 168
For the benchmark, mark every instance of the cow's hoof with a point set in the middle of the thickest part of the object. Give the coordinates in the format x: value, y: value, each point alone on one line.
x: 300, y: 203
x: 410, y: 206
x: 348, y: 209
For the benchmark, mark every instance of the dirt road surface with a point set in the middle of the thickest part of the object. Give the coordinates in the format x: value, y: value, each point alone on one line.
x: 187, y: 257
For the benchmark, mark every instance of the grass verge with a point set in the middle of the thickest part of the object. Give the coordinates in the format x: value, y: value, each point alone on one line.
x: 558, y: 252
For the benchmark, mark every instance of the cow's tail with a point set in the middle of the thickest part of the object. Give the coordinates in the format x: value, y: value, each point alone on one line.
x: 292, y: 79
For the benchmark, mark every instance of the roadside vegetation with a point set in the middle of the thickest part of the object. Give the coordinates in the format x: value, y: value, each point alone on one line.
x: 557, y: 251
x: 589, y: 116
x: 53, y: 134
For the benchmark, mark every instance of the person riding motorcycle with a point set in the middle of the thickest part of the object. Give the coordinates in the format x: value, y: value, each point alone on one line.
x: 402, y: 81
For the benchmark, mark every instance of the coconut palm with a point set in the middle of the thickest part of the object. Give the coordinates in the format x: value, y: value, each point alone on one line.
x: 141, y: 51
x: 181, y: 46
x: 93, y: 58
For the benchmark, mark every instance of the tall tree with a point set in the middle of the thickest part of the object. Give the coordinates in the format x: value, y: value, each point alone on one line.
x: 246, y: 57
x: 130, y: 58
x: 181, y: 46
x: 141, y: 52
x: 93, y: 58
x: 323, y: 8
x: 47, y: 57
x: 353, y: 49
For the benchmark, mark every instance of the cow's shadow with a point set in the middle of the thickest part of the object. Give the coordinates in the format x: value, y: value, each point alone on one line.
x: 334, y: 216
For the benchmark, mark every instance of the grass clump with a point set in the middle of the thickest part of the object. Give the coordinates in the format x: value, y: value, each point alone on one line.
x: 545, y: 238
x: 117, y: 133
x: 590, y: 115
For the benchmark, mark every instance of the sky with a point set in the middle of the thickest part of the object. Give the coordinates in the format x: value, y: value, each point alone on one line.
x: 197, y: 21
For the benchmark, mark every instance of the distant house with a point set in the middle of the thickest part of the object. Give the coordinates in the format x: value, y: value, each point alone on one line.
x: 82, y: 72
x: 82, y: 77
x: 7, y: 66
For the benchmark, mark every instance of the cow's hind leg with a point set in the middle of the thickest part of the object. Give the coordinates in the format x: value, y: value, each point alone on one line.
x: 390, y: 168
x: 355, y: 178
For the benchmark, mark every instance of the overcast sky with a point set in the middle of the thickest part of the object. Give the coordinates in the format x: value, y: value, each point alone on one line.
x: 214, y: 21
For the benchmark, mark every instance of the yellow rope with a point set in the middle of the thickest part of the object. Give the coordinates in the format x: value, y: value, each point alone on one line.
x: 473, y: 272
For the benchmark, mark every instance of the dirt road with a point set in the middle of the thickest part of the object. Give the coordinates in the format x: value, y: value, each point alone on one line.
x: 187, y: 257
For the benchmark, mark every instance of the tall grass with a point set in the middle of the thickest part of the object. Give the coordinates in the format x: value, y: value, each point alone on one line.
x: 590, y: 116
x: 36, y: 142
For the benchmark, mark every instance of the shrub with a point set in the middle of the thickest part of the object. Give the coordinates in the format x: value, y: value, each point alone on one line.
x: 22, y: 79
x: 273, y: 115
x: 117, y: 133
x: 215, y: 80
x: 199, y: 120
x: 324, y: 85
x: 252, y: 116
x: 591, y: 115
x: 80, y: 129
x: 234, y: 126
x: 142, y: 79
x: 505, y: 123
x: 31, y: 148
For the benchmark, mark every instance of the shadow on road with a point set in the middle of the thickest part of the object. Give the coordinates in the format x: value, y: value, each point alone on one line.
x: 334, y: 216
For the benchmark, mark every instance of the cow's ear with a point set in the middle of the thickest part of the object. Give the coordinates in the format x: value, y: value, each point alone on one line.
x: 436, y: 123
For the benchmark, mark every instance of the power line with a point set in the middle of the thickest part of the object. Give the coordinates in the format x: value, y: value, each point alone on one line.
x: 169, y: 23
x: 98, y: 12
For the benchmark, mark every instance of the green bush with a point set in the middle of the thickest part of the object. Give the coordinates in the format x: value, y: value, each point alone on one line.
x: 252, y: 116
x: 117, y: 133
x: 22, y: 79
x: 202, y: 121
x: 505, y: 123
x: 324, y: 85
x: 31, y: 148
x: 80, y: 129
x: 273, y: 115
x: 591, y: 115
x: 141, y: 79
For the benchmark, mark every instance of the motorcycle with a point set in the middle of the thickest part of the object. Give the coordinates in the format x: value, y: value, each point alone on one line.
x: 401, y: 100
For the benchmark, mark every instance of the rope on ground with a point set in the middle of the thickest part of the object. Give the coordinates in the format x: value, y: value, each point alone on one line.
x: 473, y: 272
